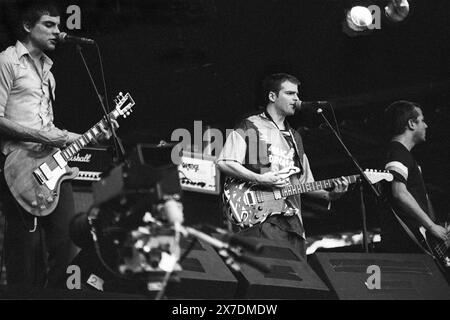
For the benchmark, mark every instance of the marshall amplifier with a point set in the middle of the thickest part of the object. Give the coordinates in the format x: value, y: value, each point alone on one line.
x: 92, y: 162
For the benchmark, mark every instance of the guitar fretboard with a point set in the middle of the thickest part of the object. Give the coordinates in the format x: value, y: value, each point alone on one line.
x: 124, y: 103
x: 314, y: 186
x: 84, y: 140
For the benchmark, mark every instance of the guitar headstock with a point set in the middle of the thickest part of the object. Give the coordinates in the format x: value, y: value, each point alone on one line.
x: 124, y: 104
x: 375, y: 176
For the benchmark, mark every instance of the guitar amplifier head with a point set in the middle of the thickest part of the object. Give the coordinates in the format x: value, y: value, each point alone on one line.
x: 92, y: 162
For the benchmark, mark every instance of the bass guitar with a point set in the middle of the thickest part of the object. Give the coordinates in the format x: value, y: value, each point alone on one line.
x: 34, y: 176
x: 438, y: 248
x: 247, y: 204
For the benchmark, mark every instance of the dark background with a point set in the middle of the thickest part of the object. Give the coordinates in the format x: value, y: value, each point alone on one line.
x: 186, y: 60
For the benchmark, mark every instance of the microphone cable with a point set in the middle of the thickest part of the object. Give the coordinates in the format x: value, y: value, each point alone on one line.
x: 335, y: 120
x: 117, y: 145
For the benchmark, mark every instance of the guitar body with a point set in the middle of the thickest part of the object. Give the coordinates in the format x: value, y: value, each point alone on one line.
x: 36, y: 198
x: 242, y: 205
x: 439, y: 248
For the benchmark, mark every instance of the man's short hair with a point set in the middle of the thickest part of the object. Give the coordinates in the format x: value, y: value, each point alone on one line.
x: 32, y: 11
x: 397, y: 115
x: 272, y: 83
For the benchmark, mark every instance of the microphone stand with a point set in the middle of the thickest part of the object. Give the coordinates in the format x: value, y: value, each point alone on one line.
x: 118, y: 147
x: 364, y: 179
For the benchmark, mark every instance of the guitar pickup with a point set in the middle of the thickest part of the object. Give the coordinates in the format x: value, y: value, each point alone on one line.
x: 250, y: 198
x: 44, y: 168
x: 60, y: 160
x: 39, y: 176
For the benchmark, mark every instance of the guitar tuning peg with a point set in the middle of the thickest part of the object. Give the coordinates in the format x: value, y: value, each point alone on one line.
x: 128, y: 113
x: 121, y: 94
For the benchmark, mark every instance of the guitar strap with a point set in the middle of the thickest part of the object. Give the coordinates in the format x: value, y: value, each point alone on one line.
x: 414, y: 238
x: 409, y: 232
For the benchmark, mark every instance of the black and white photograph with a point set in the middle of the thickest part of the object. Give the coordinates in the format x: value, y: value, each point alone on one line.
x: 224, y: 157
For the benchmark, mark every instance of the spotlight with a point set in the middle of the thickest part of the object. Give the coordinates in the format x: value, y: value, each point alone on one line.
x: 397, y: 10
x: 359, y: 18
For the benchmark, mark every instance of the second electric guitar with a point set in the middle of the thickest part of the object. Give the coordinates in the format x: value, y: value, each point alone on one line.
x: 247, y: 204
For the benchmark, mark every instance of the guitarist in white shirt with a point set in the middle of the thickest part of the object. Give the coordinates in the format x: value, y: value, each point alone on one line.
x: 27, y: 90
x: 262, y: 145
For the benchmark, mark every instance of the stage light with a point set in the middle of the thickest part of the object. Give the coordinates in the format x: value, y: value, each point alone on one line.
x: 359, y: 18
x: 397, y: 10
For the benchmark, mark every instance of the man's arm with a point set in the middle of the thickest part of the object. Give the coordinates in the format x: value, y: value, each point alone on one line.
x: 53, y: 137
x: 105, y: 135
x: 408, y: 204
x: 231, y: 159
x: 340, y: 187
x: 237, y: 170
x: 72, y: 136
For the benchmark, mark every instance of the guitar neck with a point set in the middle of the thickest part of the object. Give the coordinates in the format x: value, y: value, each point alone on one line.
x: 314, y: 186
x: 87, y: 137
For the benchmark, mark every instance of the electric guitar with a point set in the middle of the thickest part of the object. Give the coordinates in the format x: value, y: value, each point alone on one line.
x: 438, y: 248
x: 34, y: 177
x: 246, y: 204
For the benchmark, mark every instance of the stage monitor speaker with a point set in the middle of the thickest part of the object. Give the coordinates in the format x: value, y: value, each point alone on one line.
x: 204, y: 276
x: 402, y: 276
x: 290, y: 276
x: 23, y: 292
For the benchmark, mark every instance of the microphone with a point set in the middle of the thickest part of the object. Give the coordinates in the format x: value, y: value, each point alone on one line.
x: 310, y: 105
x: 64, y: 37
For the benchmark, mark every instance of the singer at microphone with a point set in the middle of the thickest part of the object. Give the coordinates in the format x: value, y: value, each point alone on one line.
x: 261, y: 147
x: 64, y: 37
